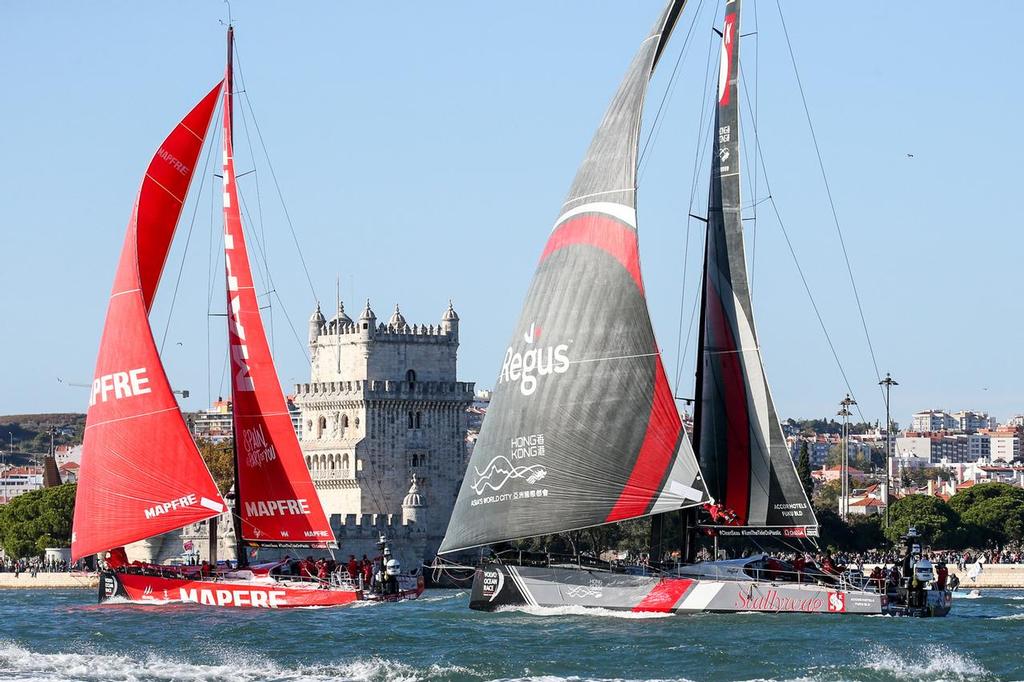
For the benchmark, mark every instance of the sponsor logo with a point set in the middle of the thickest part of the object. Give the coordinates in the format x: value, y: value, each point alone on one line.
x: 836, y: 602
x: 254, y: 444
x: 773, y: 601
x: 516, y: 465
x: 492, y: 583
x: 109, y: 587
x: 120, y: 385
x: 277, y: 507
x: 591, y: 591
x: 177, y: 503
x: 172, y: 161
x: 526, y: 366
x: 267, y: 599
x: 725, y: 70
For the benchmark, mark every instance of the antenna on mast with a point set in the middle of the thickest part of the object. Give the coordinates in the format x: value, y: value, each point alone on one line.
x: 229, y: 12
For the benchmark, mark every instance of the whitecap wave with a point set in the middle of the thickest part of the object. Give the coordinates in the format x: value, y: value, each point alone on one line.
x: 19, y: 663
x: 973, y: 594
x: 594, y: 612
x: 932, y: 663
x: 574, y: 678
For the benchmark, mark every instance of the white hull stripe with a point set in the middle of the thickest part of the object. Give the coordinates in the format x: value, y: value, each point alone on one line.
x: 700, y: 595
x: 521, y: 584
x: 621, y: 212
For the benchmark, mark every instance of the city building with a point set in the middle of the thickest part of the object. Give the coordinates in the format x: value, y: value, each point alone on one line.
x: 969, y: 421
x: 15, y: 481
x: 216, y: 425
x: 933, y: 420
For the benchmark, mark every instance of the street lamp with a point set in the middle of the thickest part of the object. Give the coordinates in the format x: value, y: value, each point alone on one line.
x: 844, y: 472
x: 888, y: 382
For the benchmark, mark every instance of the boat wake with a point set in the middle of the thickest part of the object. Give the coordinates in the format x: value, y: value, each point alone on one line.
x: 18, y: 663
x: 581, y: 611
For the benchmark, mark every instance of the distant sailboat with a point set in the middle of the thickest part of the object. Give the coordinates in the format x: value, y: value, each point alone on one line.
x: 583, y: 429
x: 141, y: 473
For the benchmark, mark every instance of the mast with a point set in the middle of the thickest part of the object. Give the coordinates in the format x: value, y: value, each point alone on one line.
x: 241, y: 557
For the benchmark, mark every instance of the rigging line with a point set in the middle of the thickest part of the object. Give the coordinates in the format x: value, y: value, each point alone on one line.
x: 209, y: 300
x: 810, y: 296
x: 757, y: 146
x: 828, y: 192
x: 252, y: 155
x: 188, y: 240
x: 669, y: 89
x: 277, y: 185
x: 700, y: 148
x: 271, y: 288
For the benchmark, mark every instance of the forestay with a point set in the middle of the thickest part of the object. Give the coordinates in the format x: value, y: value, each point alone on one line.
x: 141, y: 474
x: 582, y: 427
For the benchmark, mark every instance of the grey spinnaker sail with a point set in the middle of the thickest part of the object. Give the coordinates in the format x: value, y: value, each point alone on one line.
x: 743, y: 453
x: 582, y: 427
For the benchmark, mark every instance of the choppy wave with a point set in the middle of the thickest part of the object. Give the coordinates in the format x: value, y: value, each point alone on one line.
x: 973, y: 594
x: 931, y: 663
x: 593, y: 612
x: 1015, y: 616
x: 443, y: 597
x: 18, y: 663
x: 573, y: 678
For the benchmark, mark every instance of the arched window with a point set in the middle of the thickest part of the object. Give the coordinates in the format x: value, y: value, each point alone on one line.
x: 344, y: 461
x: 344, y: 421
x: 309, y: 462
x: 323, y: 423
x: 357, y: 422
x: 415, y: 460
x: 419, y: 417
x: 331, y: 459
x: 410, y: 376
x: 412, y: 422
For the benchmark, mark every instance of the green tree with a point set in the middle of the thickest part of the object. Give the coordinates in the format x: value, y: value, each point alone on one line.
x: 930, y: 515
x: 220, y: 460
x: 968, y: 497
x: 994, y: 519
x: 803, y: 470
x: 42, y: 518
x: 827, y: 496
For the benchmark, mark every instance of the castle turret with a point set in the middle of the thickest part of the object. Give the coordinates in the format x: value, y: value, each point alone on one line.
x: 316, y: 323
x: 450, y: 322
x: 340, y: 320
x: 413, y: 505
x: 367, y: 322
x: 397, y: 319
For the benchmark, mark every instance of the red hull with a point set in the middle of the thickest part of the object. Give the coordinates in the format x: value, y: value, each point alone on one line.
x: 149, y: 589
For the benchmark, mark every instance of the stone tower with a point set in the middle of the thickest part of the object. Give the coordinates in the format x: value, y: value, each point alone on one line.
x: 383, y: 407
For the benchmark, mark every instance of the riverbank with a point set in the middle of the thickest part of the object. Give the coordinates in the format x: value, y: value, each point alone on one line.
x: 49, y: 580
x: 993, y: 576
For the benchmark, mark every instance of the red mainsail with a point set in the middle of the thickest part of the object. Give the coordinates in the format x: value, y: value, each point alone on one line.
x: 278, y: 504
x: 141, y: 474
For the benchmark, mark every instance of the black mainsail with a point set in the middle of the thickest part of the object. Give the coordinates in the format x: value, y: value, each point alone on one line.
x: 582, y: 428
x: 742, y: 449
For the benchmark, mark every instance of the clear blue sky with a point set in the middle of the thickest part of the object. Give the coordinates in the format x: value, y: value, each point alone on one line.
x: 423, y: 150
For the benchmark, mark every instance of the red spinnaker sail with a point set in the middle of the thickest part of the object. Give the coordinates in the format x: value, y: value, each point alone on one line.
x: 278, y: 503
x: 141, y: 473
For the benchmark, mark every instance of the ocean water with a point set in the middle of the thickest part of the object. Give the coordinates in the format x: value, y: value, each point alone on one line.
x: 64, y: 635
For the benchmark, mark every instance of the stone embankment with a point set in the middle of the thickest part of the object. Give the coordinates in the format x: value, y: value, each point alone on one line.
x: 49, y: 580
x: 993, y: 576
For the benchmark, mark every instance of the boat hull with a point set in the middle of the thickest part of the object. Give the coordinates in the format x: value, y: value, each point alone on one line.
x: 266, y: 593
x: 499, y: 585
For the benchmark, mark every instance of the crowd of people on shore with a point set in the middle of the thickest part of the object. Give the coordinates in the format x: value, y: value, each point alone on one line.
x: 1009, y: 554
x: 36, y: 565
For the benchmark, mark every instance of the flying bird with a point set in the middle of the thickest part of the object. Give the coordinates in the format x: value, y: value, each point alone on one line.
x: 910, y: 156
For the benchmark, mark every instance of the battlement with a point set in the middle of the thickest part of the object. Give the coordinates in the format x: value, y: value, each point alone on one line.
x: 384, y: 389
x: 417, y: 333
x: 371, y: 526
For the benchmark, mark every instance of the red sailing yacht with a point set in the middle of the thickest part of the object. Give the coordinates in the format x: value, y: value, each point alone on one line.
x: 142, y: 474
